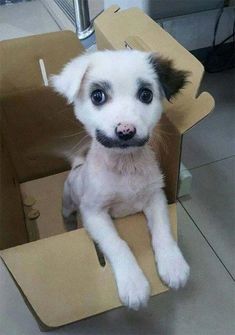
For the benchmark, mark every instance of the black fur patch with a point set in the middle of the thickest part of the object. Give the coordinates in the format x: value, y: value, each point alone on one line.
x: 110, y: 142
x: 171, y: 79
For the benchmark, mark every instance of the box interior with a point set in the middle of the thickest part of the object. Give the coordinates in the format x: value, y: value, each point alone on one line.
x: 39, y: 128
x: 38, y: 136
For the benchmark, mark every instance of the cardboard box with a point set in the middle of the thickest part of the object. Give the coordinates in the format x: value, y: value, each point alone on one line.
x: 60, y: 275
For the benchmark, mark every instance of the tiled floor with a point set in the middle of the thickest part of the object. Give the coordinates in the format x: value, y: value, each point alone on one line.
x: 209, y: 151
x: 23, y: 19
x: 206, y: 225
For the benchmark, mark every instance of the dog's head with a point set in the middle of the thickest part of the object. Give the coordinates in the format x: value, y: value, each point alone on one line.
x: 117, y: 94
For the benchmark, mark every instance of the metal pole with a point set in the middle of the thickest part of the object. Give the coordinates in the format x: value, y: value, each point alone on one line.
x: 84, y: 27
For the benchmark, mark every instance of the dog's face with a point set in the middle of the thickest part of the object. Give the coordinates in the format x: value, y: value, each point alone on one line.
x: 117, y: 94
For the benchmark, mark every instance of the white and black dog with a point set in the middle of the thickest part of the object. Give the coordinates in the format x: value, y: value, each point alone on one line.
x: 117, y: 97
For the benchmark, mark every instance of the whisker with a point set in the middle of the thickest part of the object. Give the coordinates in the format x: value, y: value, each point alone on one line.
x: 80, y: 142
x: 75, y: 134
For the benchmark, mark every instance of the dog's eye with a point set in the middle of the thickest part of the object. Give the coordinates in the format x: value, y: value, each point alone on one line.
x: 145, y: 95
x: 98, y: 97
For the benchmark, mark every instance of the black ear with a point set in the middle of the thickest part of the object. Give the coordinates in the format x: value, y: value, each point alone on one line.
x: 171, y: 79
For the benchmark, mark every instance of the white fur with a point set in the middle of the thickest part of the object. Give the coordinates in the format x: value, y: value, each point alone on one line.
x: 113, y: 182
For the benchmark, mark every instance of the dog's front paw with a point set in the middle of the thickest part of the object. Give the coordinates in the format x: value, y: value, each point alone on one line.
x: 172, y: 267
x: 133, y: 288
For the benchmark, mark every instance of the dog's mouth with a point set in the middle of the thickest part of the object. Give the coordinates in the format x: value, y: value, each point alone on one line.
x: 110, y: 142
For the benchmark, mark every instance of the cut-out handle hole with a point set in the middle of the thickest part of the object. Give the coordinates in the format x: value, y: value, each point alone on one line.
x: 100, y: 255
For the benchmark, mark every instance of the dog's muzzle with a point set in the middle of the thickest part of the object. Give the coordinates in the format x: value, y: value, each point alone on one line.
x: 125, y: 131
x: 119, y: 142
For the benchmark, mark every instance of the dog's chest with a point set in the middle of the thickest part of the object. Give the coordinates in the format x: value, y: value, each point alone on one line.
x: 126, y: 194
x: 129, y: 203
x: 124, y: 185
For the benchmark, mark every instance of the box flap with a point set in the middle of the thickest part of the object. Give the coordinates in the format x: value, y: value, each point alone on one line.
x: 61, y: 277
x: 39, y: 126
x: 19, y: 57
x: 187, y: 112
x: 132, y: 28
x: 39, y: 129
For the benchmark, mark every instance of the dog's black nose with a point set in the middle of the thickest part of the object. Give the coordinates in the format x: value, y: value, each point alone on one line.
x: 125, y: 131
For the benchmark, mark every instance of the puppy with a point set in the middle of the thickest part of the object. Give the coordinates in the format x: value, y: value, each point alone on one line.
x: 117, y: 96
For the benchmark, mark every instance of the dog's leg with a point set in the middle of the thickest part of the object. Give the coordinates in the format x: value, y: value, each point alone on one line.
x: 132, y: 284
x: 172, y: 266
x: 68, y: 209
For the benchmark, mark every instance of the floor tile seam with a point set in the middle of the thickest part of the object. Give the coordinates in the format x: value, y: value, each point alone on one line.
x: 207, y: 241
x: 212, y: 162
